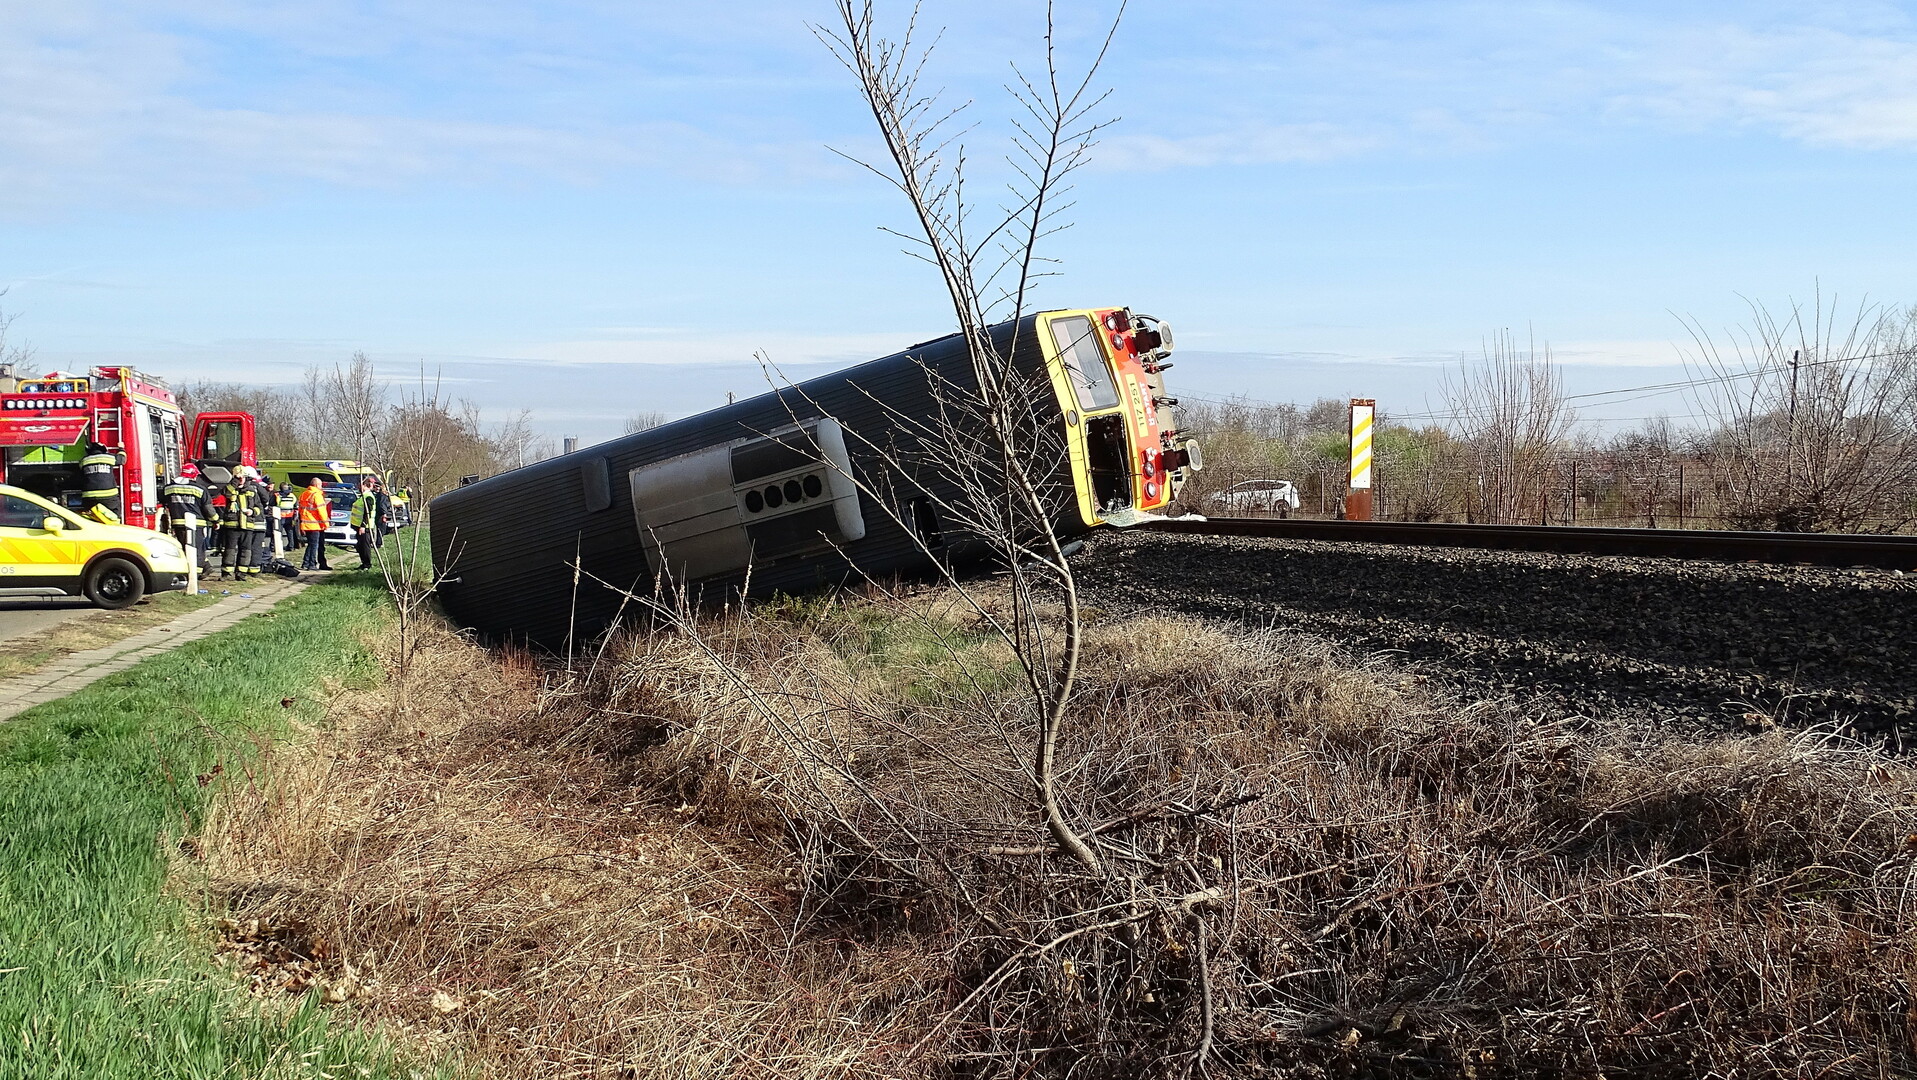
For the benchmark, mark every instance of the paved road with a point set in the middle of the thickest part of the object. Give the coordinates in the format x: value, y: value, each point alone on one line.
x: 18, y: 618
x: 75, y: 670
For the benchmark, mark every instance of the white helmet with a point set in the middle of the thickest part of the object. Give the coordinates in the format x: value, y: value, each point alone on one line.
x: 245, y: 472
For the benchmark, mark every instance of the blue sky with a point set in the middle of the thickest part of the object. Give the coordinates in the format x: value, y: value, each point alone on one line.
x: 594, y: 209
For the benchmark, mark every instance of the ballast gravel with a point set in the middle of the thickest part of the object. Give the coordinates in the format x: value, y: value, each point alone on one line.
x: 1696, y: 645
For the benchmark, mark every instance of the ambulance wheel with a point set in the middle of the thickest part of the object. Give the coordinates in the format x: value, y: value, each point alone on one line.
x: 115, y: 583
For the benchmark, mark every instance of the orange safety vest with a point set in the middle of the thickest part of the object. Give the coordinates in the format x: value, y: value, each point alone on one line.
x: 316, y: 511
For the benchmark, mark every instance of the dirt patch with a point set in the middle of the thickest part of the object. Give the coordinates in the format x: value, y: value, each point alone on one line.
x: 455, y: 872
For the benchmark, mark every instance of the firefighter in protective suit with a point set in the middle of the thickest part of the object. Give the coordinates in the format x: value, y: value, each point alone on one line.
x: 100, y: 481
x: 239, y: 522
x: 183, y: 497
x: 268, y: 521
x: 260, y: 500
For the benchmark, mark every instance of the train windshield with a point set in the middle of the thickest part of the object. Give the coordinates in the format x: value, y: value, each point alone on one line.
x: 1084, y: 363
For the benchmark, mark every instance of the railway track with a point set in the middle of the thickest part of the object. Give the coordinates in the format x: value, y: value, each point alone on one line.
x: 1695, y: 644
x: 1809, y: 549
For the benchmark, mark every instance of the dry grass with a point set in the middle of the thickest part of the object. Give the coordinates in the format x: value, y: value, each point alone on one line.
x: 517, y: 899
x: 801, y: 843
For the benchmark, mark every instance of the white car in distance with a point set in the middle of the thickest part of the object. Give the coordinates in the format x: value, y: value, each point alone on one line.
x: 1258, y: 496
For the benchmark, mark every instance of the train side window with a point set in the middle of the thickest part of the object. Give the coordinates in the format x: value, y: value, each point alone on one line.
x: 1084, y: 363
x: 597, y: 482
x: 925, y: 519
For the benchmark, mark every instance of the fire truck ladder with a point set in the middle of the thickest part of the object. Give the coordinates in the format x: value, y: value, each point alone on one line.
x: 106, y: 422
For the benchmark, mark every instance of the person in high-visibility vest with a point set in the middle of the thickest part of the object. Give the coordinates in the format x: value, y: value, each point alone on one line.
x: 315, y: 514
x: 287, y: 502
x: 257, y: 525
x: 365, y: 522
x: 183, y: 497
x: 237, y: 527
x: 100, y: 479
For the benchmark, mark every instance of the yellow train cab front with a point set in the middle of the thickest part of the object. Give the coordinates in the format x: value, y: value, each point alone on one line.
x: 46, y: 550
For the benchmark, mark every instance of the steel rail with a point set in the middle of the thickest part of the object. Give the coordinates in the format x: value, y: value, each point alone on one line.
x: 1818, y: 549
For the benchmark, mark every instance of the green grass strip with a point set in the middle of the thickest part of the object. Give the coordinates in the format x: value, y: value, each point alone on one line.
x: 103, y: 974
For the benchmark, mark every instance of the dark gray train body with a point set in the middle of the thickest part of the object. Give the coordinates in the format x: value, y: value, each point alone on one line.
x: 764, y: 487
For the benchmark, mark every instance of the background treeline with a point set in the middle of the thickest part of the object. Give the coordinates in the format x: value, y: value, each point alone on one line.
x: 1798, y: 423
x: 427, y: 440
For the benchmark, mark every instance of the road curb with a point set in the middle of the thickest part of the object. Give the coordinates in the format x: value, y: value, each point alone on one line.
x: 76, y: 670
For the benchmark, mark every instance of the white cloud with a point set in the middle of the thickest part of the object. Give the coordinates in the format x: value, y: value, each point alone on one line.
x: 1271, y: 85
x: 711, y: 349
x: 1814, y: 84
x: 103, y: 103
x: 1254, y: 145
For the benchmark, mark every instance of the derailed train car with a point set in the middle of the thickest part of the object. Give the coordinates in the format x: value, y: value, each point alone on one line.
x: 791, y: 490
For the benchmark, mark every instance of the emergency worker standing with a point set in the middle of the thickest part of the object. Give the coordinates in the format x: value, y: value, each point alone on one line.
x: 315, y: 514
x: 286, y: 500
x: 100, y: 480
x: 183, y: 497
x: 365, y: 522
x: 238, y: 527
x: 263, y: 521
x: 383, y: 505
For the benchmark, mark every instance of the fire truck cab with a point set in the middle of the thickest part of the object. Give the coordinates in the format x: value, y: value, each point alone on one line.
x: 47, y: 421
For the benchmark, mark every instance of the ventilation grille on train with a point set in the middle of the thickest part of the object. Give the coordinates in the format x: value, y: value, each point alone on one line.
x: 717, y: 510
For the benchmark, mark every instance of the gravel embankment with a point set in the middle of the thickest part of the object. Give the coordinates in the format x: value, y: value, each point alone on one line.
x: 1697, y: 645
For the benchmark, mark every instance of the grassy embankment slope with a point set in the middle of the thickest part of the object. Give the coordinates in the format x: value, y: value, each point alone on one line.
x: 102, y: 975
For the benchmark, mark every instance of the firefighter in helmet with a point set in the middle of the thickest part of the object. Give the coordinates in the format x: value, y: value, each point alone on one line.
x: 100, y: 483
x: 259, y: 523
x: 240, y: 520
x: 186, y: 499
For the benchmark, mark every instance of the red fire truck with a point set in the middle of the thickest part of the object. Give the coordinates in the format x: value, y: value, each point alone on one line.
x: 47, y: 421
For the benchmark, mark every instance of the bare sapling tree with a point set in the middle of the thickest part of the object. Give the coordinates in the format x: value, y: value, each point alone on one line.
x: 422, y: 443
x: 1509, y: 409
x: 1811, y: 418
x: 986, y: 435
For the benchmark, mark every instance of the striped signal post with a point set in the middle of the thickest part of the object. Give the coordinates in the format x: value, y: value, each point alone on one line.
x: 1358, y: 491
x: 196, y: 545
